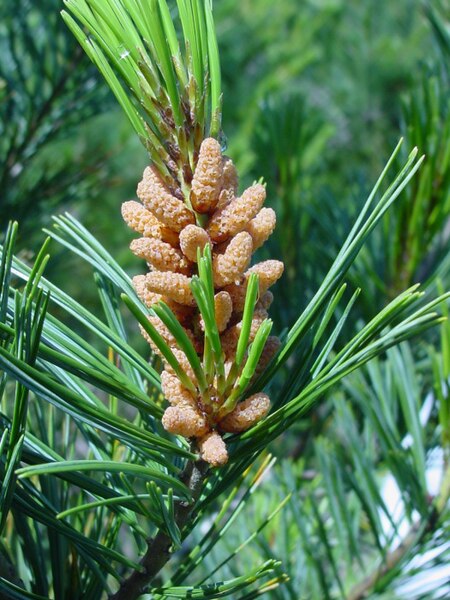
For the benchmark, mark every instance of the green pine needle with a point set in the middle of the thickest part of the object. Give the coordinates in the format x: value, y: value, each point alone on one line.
x: 170, y: 92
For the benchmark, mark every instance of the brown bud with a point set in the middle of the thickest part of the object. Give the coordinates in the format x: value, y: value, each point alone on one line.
x: 235, y: 216
x: 161, y: 203
x: 193, y: 237
x: 230, y: 179
x: 163, y: 332
x: 261, y: 227
x: 149, y: 298
x: 184, y: 364
x: 160, y: 255
x: 185, y: 421
x: 213, y: 450
x: 174, y: 391
x: 223, y: 308
x: 237, y: 293
x: 266, y: 300
x: 246, y: 414
x: 268, y: 271
x: 229, y: 183
x: 173, y: 285
x: 231, y: 336
x: 230, y: 266
x: 207, y: 181
x: 140, y: 285
x: 142, y: 220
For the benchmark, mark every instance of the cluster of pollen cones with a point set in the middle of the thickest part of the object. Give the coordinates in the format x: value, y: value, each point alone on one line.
x: 173, y: 228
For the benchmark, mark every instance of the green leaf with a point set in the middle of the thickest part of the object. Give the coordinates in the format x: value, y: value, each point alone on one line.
x: 218, y: 590
x: 251, y: 363
x: 107, y: 466
x: 9, y: 480
x: 90, y: 550
x: 16, y: 593
x: 169, y: 319
x: 333, y: 280
x: 73, y: 404
x: 87, y: 319
x: 167, y: 510
x: 159, y: 342
x: 247, y: 316
x: 172, y: 99
x: 5, y: 268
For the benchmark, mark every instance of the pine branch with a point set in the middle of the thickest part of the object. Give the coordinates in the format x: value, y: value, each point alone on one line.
x: 170, y: 90
x: 417, y: 534
x: 159, y: 548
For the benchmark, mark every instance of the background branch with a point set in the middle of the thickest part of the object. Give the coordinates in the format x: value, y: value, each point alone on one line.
x: 420, y: 530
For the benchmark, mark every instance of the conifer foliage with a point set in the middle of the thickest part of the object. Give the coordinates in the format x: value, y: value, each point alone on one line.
x: 128, y: 475
x: 47, y: 88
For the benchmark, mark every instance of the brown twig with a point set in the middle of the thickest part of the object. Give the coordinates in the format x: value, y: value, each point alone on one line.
x: 159, y: 548
x: 415, y: 535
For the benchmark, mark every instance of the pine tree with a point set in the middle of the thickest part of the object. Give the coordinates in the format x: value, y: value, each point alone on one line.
x: 109, y: 492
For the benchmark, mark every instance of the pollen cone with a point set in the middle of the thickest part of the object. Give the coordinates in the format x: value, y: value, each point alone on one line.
x: 174, y: 227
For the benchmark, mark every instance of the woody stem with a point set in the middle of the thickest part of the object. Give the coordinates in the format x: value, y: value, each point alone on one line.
x: 416, y: 534
x: 159, y: 548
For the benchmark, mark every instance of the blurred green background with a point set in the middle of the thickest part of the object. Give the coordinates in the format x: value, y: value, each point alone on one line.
x: 313, y: 94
